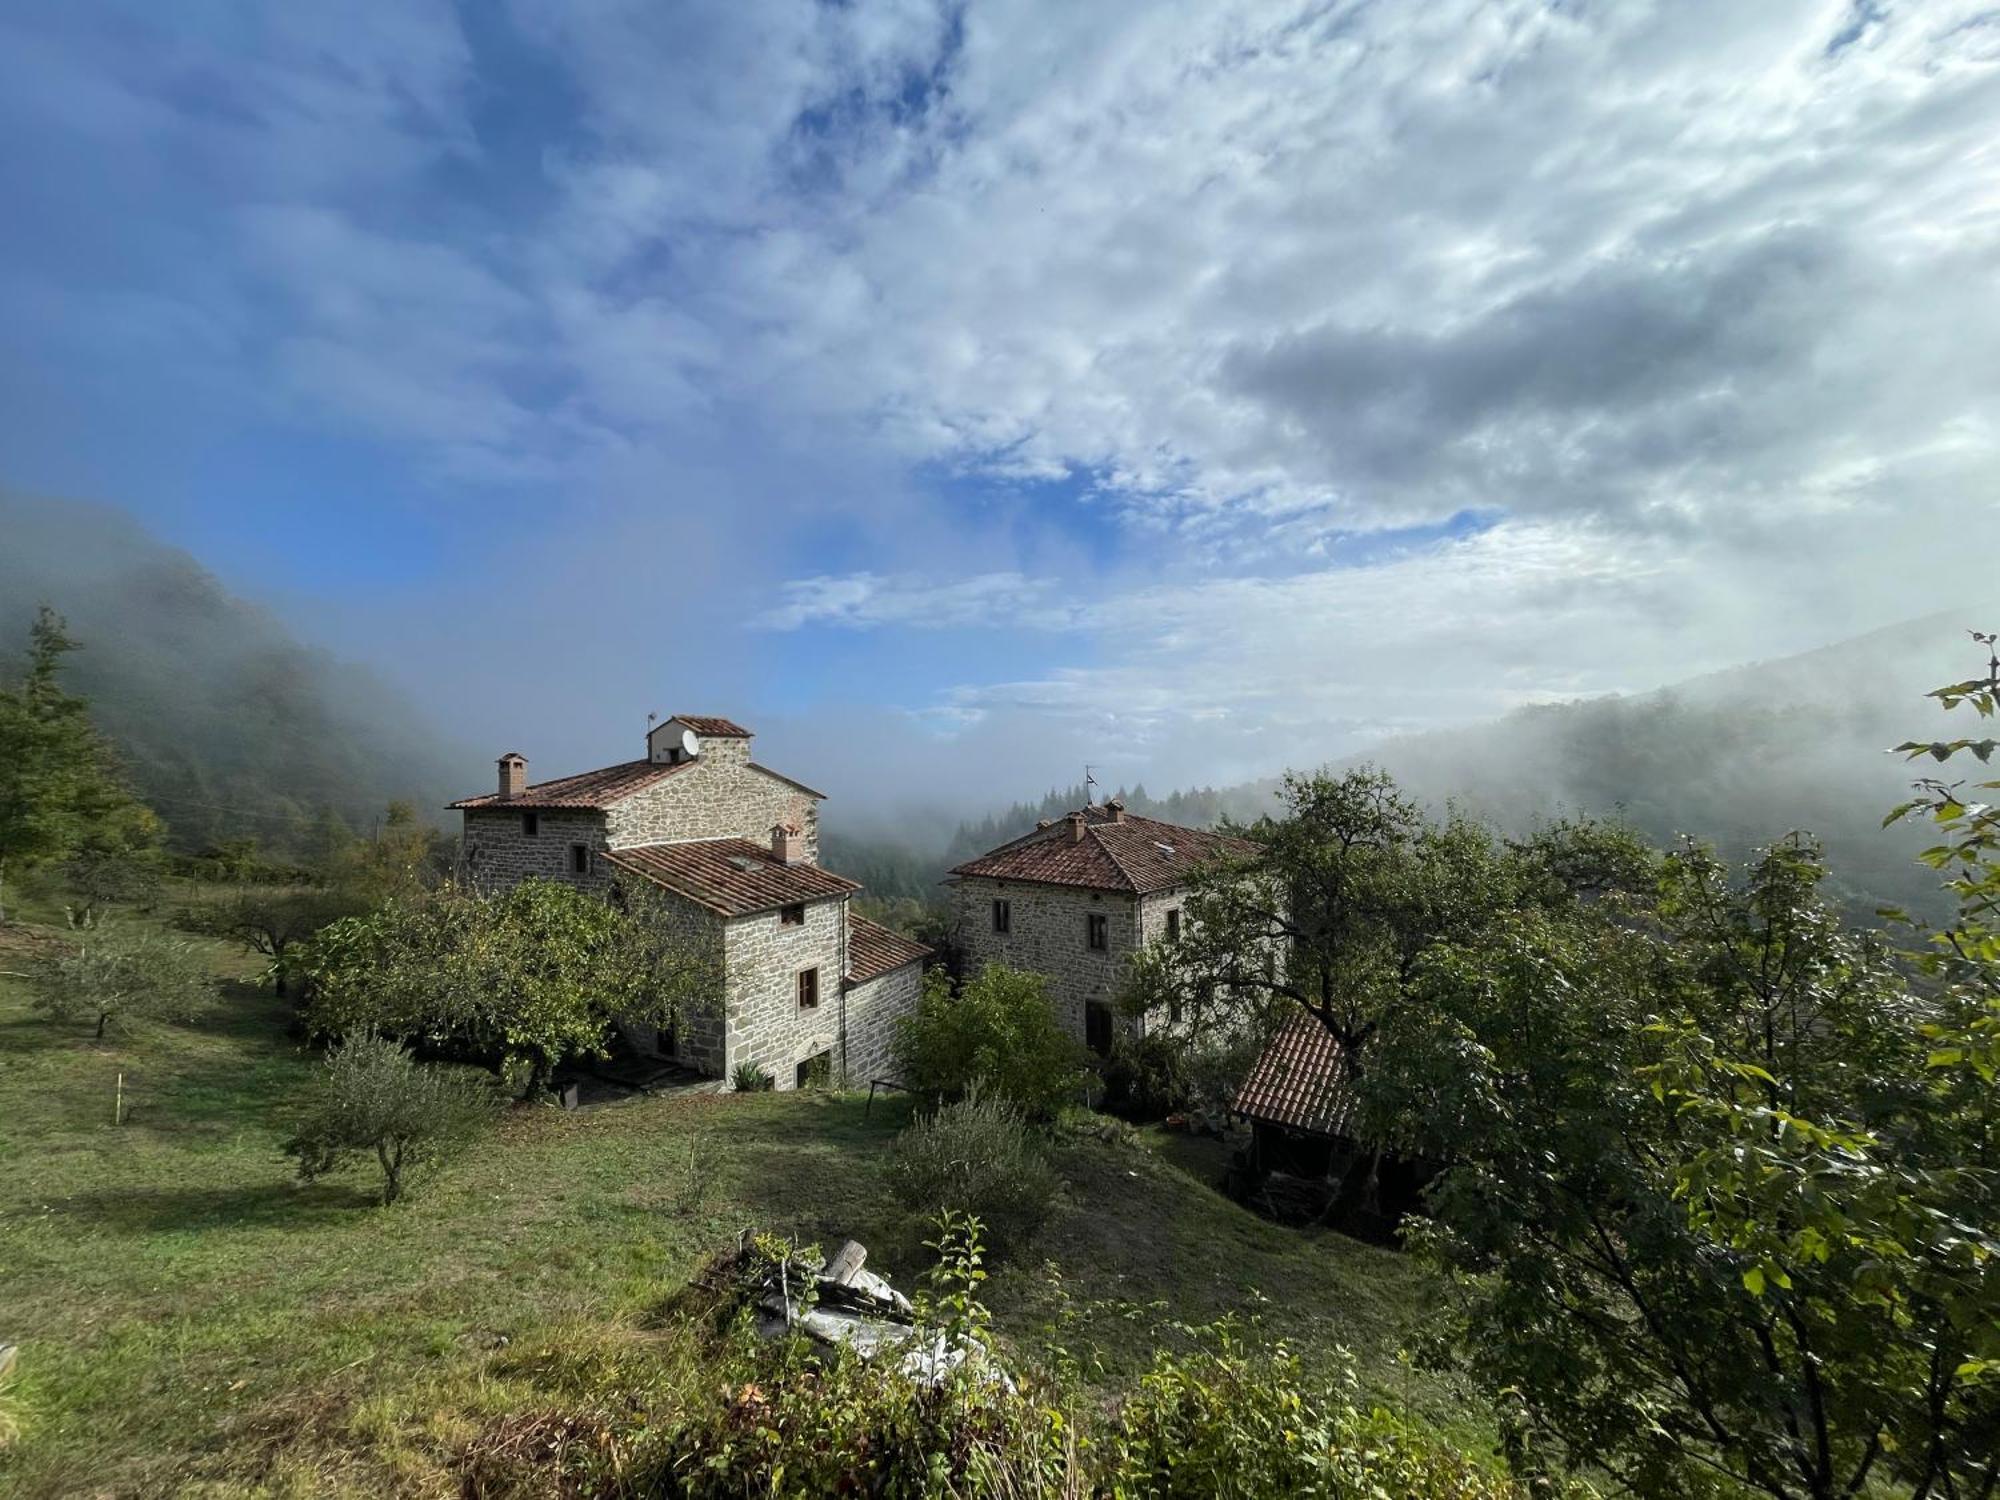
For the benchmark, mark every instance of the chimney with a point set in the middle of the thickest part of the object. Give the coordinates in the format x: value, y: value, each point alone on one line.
x: 1075, y: 821
x: 788, y: 844
x: 513, y: 774
x: 1116, y: 807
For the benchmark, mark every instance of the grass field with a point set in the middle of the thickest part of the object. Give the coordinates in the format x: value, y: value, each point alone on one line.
x: 192, y: 1321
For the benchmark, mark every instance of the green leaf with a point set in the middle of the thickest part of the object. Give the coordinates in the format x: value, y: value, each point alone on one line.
x: 1753, y: 1281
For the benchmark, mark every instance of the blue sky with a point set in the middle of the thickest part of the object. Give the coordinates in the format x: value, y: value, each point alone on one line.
x: 960, y: 392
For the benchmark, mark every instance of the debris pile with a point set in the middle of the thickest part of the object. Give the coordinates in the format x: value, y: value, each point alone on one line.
x: 841, y: 1303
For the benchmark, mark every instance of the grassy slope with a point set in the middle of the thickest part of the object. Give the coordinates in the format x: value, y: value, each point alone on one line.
x: 193, y: 1321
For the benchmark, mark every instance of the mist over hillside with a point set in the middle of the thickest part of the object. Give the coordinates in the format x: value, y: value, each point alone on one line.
x: 1736, y: 759
x: 228, y: 725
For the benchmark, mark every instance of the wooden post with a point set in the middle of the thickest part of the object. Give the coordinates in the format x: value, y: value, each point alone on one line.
x: 118, y: 1101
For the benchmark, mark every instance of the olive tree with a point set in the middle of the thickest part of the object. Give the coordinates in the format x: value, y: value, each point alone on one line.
x: 118, y: 975
x: 371, y: 1096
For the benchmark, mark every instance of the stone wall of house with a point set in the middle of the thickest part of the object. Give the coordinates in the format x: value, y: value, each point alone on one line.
x: 497, y: 853
x: 763, y: 957
x: 873, y: 1008
x: 720, y: 796
x: 1049, y: 934
x: 697, y: 1040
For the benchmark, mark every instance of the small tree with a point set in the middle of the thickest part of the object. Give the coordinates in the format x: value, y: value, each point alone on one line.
x: 999, y: 1032
x: 373, y: 1096
x: 122, y: 975
x: 275, y: 920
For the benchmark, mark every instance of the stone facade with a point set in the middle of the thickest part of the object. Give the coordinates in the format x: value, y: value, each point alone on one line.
x: 497, y: 852
x: 873, y: 1008
x: 762, y: 959
x: 720, y: 796
x: 1049, y: 933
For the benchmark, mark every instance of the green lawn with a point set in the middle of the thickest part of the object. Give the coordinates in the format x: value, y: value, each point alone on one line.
x: 192, y: 1321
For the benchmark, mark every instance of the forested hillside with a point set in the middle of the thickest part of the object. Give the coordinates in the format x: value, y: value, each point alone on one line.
x: 226, y: 723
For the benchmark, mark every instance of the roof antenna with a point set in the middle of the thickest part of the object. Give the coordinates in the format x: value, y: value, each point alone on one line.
x: 1089, y: 781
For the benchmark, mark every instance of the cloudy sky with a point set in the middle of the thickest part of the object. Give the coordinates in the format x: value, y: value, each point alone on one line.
x: 963, y: 392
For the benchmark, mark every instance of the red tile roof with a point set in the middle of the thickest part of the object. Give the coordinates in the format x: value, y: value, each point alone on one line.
x: 1115, y: 854
x: 873, y: 950
x: 587, y: 789
x: 731, y: 877
x: 1299, y: 1081
x: 714, y: 728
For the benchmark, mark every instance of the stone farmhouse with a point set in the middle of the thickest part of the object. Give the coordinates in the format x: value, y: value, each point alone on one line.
x: 808, y: 985
x: 1074, y: 899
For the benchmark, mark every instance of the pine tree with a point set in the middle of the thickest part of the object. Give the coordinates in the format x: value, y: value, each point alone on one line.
x: 60, y: 791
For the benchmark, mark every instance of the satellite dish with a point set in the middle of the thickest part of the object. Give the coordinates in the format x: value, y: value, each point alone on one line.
x: 689, y: 744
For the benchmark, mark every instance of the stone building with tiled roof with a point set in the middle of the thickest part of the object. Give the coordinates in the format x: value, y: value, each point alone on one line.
x: 1074, y: 899
x: 732, y: 848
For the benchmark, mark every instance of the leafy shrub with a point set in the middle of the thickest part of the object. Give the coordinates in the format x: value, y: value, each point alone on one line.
x: 1161, y: 1074
x: 731, y: 1415
x: 119, y: 975
x: 999, y: 1032
x: 749, y: 1078
x: 373, y: 1096
x: 1229, y: 1420
x: 975, y: 1156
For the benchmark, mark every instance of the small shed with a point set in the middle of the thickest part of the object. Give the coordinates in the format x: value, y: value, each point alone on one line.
x: 1298, y: 1102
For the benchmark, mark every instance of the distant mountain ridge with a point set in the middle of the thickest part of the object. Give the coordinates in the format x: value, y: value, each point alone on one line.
x: 228, y: 725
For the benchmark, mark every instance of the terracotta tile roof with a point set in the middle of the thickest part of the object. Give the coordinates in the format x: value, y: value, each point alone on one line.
x: 713, y: 728
x: 1299, y: 1081
x: 873, y: 950
x: 731, y: 877
x: 1128, y: 854
x: 597, y: 789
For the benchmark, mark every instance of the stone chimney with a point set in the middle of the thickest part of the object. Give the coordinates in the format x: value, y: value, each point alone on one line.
x: 1116, y: 807
x: 513, y: 774
x: 788, y: 843
x: 1075, y: 821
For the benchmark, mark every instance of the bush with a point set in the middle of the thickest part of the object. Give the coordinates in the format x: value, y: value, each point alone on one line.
x: 120, y: 975
x: 976, y: 1156
x: 999, y: 1032
x: 1160, y: 1074
x: 373, y: 1096
x: 749, y: 1078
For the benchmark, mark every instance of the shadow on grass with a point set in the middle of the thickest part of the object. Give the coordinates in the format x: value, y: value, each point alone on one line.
x: 279, y: 1205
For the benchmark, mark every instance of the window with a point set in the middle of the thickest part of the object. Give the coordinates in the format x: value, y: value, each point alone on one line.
x: 579, y: 859
x: 793, y: 915
x: 816, y: 1072
x: 1174, y: 925
x: 531, y: 824
x: 1003, y: 916
x: 1097, y: 930
x: 809, y: 989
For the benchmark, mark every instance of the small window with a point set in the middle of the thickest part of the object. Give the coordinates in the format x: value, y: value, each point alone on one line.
x: 816, y: 1072
x: 1003, y: 916
x: 809, y: 989
x: 531, y: 824
x: 579, y: 859
x: 793, y: 915
x: 1098, y: 931
x: 1174, y: 925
